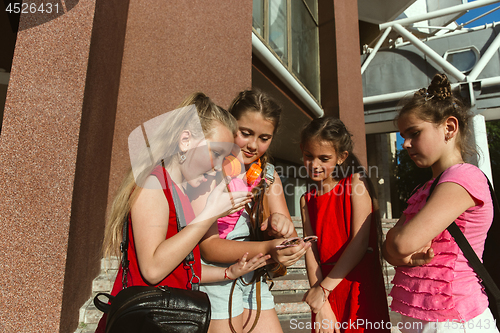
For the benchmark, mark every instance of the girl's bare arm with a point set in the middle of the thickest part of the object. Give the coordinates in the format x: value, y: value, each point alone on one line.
x: 404, y: 240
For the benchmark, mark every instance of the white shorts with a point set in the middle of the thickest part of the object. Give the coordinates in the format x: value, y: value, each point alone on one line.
x: 244, y: 296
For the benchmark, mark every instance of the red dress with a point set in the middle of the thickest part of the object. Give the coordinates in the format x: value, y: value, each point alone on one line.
x: 360, y: 297
x: 180, y: 276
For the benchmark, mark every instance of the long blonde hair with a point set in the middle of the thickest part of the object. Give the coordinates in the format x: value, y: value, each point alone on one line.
x: 165, y: 147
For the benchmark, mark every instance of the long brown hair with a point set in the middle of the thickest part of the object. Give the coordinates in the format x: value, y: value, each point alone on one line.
x: 167, y: 137
x: 256, y: 100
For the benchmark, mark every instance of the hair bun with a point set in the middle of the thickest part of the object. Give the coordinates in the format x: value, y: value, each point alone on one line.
x: 421, y: 92
x: 440, y: 87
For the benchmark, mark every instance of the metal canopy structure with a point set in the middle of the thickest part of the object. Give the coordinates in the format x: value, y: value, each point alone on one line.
x: 381, y: 11
x: 393, y: 73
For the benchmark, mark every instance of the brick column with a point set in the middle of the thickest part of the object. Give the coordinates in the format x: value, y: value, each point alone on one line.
x: 340, y: 65
x: 55, y: 149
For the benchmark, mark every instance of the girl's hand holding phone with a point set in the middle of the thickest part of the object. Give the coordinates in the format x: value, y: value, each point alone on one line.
x: 289, y: 255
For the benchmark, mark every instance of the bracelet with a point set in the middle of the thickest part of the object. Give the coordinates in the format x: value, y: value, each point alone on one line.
x: 226, y: 277
x: 325, y: 296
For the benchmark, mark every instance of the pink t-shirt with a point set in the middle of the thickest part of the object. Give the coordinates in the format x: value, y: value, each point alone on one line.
x: 227, y: 223
x: 447, y: 288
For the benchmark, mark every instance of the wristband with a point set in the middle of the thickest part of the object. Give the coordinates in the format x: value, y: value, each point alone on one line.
x: 226, y: 277
x: 325, y: 296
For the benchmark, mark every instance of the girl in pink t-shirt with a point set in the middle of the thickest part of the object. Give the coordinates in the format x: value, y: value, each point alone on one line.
x: 435, y: 289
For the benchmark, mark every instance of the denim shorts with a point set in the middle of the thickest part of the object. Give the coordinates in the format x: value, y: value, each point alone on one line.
x: 244, y: 296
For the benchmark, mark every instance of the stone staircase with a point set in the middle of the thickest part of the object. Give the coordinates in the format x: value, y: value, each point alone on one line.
x: 89, y: 315
x: 287, y: 290
x: 389, y: 272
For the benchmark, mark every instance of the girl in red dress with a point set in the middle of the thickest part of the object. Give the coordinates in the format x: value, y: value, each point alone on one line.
x: 347, y: 286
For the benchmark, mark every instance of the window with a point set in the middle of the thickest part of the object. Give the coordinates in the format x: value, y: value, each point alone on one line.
x: 258, y: 17
x: 463, y: 59
x: 290, y: 29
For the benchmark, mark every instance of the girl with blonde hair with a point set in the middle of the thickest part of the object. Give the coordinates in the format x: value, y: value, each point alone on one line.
x: 189, y: 147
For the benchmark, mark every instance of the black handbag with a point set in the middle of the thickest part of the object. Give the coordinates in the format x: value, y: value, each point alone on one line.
x: 148, y: 309
x: 489, y: 270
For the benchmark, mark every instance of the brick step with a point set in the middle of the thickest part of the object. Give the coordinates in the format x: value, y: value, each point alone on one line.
x: 110, y: 263
x: 103, y: 283
x: 291, y: 282
x: 301, y: 263
x: 89, y: 314
x: 298, y: 268
x: 387, y: 224
x: 292, y: 308
x: 291, y: 303
x: 86, y: 328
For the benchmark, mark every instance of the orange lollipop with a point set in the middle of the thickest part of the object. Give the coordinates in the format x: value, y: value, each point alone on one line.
x: 253, y: 173
x: 231, y: 166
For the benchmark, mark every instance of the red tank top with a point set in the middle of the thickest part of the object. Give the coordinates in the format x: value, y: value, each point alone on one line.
x: 180, y: 276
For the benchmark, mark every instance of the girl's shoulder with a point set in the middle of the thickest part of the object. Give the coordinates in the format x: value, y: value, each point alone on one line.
x: 470, y: 177
x: 356, y: 180
x: 462, y: 168
x: 310, y: 194
x: 463, y: 174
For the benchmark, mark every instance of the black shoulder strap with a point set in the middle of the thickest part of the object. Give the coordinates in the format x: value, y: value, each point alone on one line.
x: 473, y: 259
x: 124, y: 251
x: 434, y: 184
x: 181, y: 224
x: 466, y: 248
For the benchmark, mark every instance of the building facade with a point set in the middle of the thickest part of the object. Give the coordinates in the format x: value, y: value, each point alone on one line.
x: 78, y: 80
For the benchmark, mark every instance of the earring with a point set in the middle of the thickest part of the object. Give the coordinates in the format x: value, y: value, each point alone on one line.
x: 447, y: 137
x: 182, y: 157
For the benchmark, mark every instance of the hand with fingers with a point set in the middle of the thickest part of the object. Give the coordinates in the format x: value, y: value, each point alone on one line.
x: 289, y: 255
x: 325, y: 320
x: 221, y: 202
x: 316, y: 297
x: 278, y: 226
x: 422, y: 256
x: 244, y: 266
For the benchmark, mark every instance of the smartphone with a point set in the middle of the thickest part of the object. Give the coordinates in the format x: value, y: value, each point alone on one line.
x: 310, y: 239
x: 290, y: 242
